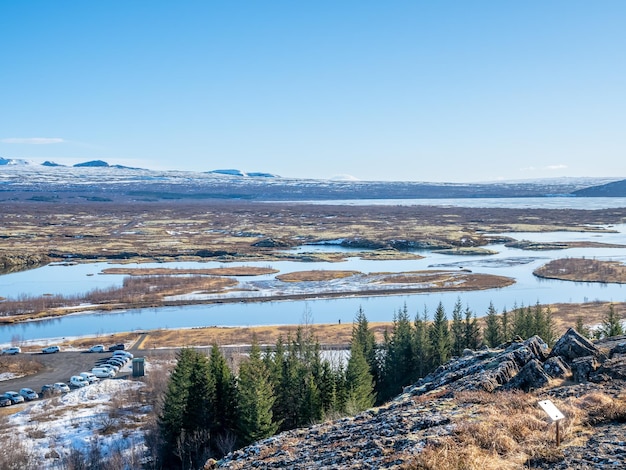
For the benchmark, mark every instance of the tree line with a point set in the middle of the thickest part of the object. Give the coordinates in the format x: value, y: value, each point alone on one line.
x: 210, y: 408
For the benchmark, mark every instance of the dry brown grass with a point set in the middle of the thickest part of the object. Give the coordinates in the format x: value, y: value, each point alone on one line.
x: 508, y: 430
x: 20, y: 365
x: 583, y: 270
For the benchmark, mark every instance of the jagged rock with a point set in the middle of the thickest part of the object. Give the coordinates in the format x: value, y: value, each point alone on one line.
x: 270, y: 243
x: 555, y: 367
x: 530, y: 377
x: 573, y: 345
x: 619, y: 348
x: 614, y: 368
x: 582, y: 367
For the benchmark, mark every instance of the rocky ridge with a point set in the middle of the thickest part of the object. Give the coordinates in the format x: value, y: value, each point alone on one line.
x: 471, y: 391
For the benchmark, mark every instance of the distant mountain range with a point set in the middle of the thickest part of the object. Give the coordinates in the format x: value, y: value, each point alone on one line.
x: 99, y: 181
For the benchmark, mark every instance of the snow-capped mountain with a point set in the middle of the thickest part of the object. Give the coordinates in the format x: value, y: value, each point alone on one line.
x: 98, y: 180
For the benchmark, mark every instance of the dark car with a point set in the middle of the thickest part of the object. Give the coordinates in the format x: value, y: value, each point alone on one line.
x: 4, y: 401
x: 117, y: 347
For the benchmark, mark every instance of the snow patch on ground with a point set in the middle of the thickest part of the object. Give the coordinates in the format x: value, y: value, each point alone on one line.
x: 105, y: 415
x: 9, y: 376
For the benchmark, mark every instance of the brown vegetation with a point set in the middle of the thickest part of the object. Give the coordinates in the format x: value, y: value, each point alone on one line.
x: 135, y: 291
x: 227, y: 230
x: 509, y: 431
x: 583, y: 270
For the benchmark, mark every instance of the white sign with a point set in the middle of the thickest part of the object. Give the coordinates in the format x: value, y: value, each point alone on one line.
x: 551, y: 410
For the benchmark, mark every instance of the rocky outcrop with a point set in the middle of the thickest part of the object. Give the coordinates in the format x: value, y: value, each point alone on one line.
x: 390, y: 436
x: 27, y: 260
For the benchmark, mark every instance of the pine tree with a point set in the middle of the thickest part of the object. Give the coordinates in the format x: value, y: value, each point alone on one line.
x: 421, y: 345
x: 492, y: 327
x: 459, y: 342
x: 582, y: 328
x: 223, y: 425
x: 439, y: 337
x: 255, y: 399
x: 611, y: 323
x: 399, y: 368
x: 365, y: 338
x: 186, y: 414
x: 359, y: 382
x: 549, y: 331
x: 505, y: 326
x: 472, y: 329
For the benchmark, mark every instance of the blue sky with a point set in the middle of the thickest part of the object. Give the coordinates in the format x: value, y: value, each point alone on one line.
x: 453, y: 91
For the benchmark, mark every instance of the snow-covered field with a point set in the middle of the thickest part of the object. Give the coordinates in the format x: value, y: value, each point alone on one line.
x: 105, y: 419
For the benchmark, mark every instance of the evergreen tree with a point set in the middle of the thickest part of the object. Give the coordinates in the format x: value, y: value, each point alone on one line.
x: 359, y: 382
x: 186, y: 412
x: 365, y: 339
x: 582, y: 328
x: 421, y: 345
x: 223, y: 426
x: 522, y: 318
x: 505, y: 325
x: 472, y: 330
x: 399, y: 368
x: 174, y: 403
x: 255, y: 399
x: 611, y: 323
x: 328, y: 388
x: 493, y: 335
x: 459, y: 341
x: 549, y: 330
x: 439, y: 338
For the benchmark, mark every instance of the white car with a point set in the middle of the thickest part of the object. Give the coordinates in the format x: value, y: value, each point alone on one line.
x: 60, y: 387
x: 29, y: 394
x: 89, y: 377
x: 103, y: 372
x: 98, y: 348
x: 51, y: 350
x: 12, y: 351
x: 125, y: 354
x: 78, y: 381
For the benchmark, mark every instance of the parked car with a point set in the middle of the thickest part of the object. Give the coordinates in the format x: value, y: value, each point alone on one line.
x: 12, y: 350
x: 125, y: 354
x: 113, y: 367
x: 78, y: 381
x: 29, y: 394
x: 103, y: 372
x: 89, y: 377
x: 60, y: 387
x: 4, y: 401
x: 98, y: 348
x: 51, y: 350
x: 115, y: 362
x: 14, y: 397
x: 47, y: 390
x: 122, y: 359
x: 117, y: 347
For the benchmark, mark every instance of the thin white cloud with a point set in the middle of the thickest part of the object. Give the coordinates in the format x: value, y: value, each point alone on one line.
x: 556, y: 167
x: 33, y: 140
